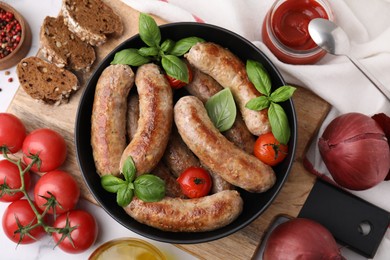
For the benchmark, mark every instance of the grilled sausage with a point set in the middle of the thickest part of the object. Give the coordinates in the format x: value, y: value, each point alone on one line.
x: 172, y: 187
x: 203, y: 87
x: 229, y: 71
x: 177, y: 156
x: 188, y: 215
x: 216, y: 152
x: 155, y: 121
x: 132, y: 115
x: 108, y: 132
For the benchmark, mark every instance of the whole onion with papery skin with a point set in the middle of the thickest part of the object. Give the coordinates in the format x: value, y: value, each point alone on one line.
x: 355, y: 151
x: 301, y: 238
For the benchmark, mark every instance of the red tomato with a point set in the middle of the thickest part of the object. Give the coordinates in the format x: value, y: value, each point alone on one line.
x: 195, y: 182
x: 20, y: 212
x: 269, y: 150
x: 12, y: 132
x: 10, y: 178
x: 62, y: 186
x: 176, y: 83
x: 49, y: 145
x: 83, y: 235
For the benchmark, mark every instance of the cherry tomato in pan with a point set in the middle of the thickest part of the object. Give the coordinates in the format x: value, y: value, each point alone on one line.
x: 62, y: 186
x: 195, y: 182
x: 81, y: 231
x: 176, y: 83
x: 49, y: 145
x: 20, y: 213
x: 10, y: 179
x: 12, y: 132
x: 269, y: 150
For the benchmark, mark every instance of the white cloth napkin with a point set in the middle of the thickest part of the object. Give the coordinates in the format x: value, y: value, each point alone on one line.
x: 335, y: 79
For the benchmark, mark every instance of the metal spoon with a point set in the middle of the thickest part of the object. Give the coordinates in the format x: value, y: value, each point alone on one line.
x: 334, y: 40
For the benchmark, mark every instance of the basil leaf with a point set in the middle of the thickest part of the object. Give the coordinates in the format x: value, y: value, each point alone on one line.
x: 128, y: 169
x: 282, y: 93
x: 258, y: 103
x: 149, y: 31
x: 222, y: 109
x: 183, y: 45
x: 279, y: 123
x: 130, y: 57
x: 167, y: 45
x: 259, y: 77
x: 125, y: 195
x: 175, y: 67
x: 111, y: 183
x: 149, y: 188
x: 148, y: 51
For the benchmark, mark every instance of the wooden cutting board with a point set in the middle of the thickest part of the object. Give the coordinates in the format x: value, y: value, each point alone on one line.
x: 310, y: 109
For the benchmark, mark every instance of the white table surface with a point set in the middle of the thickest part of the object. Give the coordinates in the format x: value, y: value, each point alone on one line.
x: 34, y: 12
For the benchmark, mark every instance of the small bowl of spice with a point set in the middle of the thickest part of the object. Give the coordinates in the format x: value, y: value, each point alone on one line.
x: 15, y: 36
x: 285, y: 30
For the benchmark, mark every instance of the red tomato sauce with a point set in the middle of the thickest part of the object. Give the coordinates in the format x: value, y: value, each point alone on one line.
x: 285, y: 30
x: 291, y: 20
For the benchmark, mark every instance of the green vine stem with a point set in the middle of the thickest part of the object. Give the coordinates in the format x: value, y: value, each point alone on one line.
x: 40, y: 216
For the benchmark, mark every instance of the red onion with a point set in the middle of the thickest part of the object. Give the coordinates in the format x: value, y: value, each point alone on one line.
x: 301, y: 238
x: 384, y: 121
x: 355, y: 151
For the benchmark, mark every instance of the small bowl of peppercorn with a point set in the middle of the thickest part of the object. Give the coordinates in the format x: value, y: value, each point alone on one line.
x: 15, y: 36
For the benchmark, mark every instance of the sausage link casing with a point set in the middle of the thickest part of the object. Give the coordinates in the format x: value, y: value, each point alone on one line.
x: 108, y: 131
x: 203, y: 87
x: 229, y: 71
x: 155, y: 119
x: 216, y: 152
x: 132, y: 115
x: 178, y: 157
x: 188, y: 215
x: 172, y: 187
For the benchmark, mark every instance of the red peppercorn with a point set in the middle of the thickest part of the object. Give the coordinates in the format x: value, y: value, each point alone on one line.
x: 10, y: 33
x: 10, y: 79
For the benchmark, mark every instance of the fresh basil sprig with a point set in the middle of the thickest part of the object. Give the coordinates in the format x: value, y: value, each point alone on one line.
x: 167, y: 52
x: 147, y: 187
x: 276, y: 114
x: 222, y: 109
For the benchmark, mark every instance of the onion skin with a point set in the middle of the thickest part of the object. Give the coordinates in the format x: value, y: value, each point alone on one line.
x: 355, y: 151
x: 384, y: 122
x: 302, y: 239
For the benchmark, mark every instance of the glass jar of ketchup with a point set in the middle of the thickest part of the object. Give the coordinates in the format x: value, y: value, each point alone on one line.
x: 285, y: 30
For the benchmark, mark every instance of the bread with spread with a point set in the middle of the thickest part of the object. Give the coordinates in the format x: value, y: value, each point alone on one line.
x: 46, y: 82
x: 91, y: 20
x: 63, y: 48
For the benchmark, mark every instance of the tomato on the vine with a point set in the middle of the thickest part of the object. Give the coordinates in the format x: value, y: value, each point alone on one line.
x: 12, y: 132
x: 195, y: 182
x: 49, y: 145
x: 176, y: 83
x: 19, y: 213
x: 59, y: 185
x: 80, y: 231
x: 269, y: 150
x: 10, y: 179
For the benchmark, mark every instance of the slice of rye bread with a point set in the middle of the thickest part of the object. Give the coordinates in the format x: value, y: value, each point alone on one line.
x: 45, y: 81
x: 91, y: 20
x: 63, y: 48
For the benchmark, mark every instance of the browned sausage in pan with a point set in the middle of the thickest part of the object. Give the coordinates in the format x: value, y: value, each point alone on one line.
x: 188, y: 215
x: 108, y: 131
x: 216, y: 152
x: 229, y: 71
x: 203, y: 87
x: 155, y: 119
